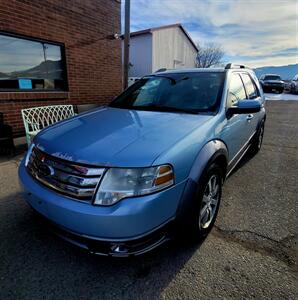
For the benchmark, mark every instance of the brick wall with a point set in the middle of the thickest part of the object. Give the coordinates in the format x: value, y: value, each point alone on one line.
x: 93, y: 59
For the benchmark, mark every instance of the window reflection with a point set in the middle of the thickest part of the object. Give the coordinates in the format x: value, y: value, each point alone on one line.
x: 26, y: 64
x: 236, y: 90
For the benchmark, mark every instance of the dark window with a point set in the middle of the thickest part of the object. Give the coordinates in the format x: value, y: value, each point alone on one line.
x: 236, y: 90
x: 188, y: 92
x: 249, y: 86
x: 272, y: 77
x: 31, y: 65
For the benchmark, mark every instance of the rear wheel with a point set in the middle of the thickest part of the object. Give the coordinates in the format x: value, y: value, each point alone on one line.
x: 257, y: 142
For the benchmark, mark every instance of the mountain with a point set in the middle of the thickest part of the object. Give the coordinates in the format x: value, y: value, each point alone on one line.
x: 47, y: 69
x: 3, y: 75
x: 286, y: 72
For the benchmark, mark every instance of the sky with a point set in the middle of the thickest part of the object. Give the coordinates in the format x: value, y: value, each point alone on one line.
x: 252, y: 32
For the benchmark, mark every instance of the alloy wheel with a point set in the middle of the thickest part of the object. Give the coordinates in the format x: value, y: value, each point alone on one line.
x: 209, y: 202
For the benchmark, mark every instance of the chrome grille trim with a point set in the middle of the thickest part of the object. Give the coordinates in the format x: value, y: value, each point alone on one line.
x: 74, y: 180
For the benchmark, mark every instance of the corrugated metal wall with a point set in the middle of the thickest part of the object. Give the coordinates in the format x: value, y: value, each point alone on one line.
x: 172, y: 49
x: 140, y: 55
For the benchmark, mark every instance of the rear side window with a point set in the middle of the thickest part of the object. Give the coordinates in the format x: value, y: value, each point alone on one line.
x: 236, y: 90
x: 250, y: 87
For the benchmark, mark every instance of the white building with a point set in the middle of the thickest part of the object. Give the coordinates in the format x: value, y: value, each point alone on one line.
x: 167, y: 47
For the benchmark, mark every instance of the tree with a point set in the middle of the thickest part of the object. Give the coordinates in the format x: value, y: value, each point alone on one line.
x: 209, y: 55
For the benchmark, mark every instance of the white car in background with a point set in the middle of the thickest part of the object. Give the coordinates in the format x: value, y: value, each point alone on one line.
x: 294, y: 85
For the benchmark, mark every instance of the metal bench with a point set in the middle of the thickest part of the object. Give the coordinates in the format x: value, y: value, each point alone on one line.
x: 37, y: 118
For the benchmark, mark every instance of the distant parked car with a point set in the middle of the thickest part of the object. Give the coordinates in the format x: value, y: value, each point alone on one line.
x: 287, y: 86
x: 294, y: 84
x: 272, y: 83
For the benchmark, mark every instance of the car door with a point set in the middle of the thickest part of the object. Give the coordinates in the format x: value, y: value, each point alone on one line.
x: 236, y: 130
x: 252, y: 93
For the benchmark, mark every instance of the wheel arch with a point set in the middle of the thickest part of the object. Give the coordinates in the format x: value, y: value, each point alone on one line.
x: 214, y: 151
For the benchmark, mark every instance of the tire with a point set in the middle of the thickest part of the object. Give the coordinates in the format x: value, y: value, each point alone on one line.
x: 205, y: 206
x: 293, y: 91
x: 257, y: 141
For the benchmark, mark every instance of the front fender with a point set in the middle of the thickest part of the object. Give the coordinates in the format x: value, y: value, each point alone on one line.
x: 210, y: 151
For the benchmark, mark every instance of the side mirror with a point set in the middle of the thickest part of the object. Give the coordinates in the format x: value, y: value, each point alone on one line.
x: 246, y: 107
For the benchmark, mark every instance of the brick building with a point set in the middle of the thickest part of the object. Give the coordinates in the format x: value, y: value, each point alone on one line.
x: 57, y: 52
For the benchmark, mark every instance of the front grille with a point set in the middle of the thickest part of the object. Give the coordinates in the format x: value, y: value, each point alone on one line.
x: 74, y: 180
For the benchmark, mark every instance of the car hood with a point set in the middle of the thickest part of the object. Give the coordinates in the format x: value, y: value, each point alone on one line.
x: 117, y: 137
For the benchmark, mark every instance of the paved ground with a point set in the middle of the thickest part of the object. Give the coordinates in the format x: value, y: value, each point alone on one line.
x: 251, y: 253
x: 283, y: 96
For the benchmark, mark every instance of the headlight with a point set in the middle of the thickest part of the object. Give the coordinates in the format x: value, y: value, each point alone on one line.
x: 119, y: 183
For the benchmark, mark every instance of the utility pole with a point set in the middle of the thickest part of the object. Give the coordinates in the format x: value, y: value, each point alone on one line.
x: 126, y: 43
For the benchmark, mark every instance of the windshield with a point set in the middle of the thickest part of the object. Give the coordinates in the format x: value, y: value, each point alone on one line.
x: 184, y: 92
x: 272, y: 77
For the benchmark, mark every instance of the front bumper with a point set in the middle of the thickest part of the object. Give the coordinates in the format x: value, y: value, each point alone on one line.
x: 131, y: 219
x: 124, y: 248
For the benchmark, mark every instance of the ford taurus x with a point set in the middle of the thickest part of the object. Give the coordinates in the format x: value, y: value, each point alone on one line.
x: 122, y: 179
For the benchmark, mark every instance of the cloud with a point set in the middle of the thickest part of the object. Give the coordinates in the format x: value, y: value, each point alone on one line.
x: 253, y: 31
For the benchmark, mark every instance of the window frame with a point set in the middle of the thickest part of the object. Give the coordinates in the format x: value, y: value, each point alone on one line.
x: 42, y: 41
x: 229, y: 84
x: 254, y: 84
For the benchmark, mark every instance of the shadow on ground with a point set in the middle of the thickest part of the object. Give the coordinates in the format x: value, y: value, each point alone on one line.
x: 46, y: 265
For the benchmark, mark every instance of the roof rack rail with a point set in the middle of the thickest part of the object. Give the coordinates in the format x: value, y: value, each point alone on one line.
x: 234, y: 66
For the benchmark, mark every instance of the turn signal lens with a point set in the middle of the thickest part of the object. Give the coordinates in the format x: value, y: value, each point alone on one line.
x: 165, y: 176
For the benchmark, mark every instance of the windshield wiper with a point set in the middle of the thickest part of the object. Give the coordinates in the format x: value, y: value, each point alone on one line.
x: 165, y: 108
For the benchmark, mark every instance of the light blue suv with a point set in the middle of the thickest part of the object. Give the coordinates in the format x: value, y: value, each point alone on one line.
x: 125, y: 178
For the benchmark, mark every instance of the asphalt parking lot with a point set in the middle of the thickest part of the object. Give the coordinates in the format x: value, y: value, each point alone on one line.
x: 251, y: 253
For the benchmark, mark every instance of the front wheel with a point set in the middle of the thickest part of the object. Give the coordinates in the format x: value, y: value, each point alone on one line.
x: 206, y: 202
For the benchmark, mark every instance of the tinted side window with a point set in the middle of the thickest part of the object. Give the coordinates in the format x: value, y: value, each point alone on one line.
x: 249, y: 86
x: 236, y: 90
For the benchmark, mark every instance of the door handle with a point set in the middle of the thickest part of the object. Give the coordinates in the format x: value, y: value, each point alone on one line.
x: 249, y: 117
